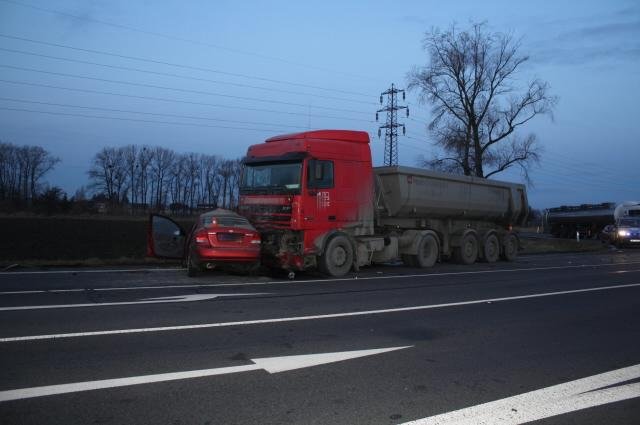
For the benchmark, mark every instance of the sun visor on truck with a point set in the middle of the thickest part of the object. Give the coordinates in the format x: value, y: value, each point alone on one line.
x: 289, y: 156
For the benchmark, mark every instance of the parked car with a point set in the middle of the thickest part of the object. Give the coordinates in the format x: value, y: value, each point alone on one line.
x: 219, y: 238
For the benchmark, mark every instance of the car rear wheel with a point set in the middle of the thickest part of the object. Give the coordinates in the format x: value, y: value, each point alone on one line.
x: 193, y: 269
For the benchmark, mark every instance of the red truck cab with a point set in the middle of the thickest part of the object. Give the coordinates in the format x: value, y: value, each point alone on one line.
x: 300, y: 189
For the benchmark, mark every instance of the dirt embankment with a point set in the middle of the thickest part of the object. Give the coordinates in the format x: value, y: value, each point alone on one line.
x: 68, y: 239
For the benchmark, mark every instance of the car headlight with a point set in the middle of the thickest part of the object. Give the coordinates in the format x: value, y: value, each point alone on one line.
x: 623, y: 233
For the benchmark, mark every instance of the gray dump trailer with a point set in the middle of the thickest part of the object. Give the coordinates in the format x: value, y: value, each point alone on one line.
x: 465, y: 218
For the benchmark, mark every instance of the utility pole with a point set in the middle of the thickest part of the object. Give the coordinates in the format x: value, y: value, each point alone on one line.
x: 391, y: 125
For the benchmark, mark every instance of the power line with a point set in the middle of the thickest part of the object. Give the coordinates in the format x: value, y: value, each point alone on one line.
x: 181, y: 39
x: 570, y: 164
x: 153, y: 86
x: 543, y: 171
x: 188, y: 102
x: 611, y: 171
x: 418, y: 121
x: 561, y: 170
x: 168, y: 74
x: 182, y: 66
x: 33, y: 102
x: 138, y: 120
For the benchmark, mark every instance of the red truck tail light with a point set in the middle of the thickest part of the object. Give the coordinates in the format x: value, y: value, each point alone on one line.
x: 202, y: 238
x: 255, y: 238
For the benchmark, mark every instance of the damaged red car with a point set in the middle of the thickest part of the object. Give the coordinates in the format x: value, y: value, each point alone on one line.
x: 218, y: 239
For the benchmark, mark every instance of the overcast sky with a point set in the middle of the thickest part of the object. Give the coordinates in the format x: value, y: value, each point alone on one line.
x: 217, y: 76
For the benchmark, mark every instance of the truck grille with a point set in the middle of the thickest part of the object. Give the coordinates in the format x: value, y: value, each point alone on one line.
x: 267, y: 216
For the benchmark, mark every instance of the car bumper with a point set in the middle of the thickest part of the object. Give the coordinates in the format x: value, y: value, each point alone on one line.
x: 633, y: 241
x: 228, y: 255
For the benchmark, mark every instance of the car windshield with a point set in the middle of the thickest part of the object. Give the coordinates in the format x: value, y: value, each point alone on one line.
x: 283, y: 177
x: 629, y: 222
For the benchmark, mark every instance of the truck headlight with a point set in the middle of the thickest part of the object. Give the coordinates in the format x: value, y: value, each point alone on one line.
x: 623, y: 233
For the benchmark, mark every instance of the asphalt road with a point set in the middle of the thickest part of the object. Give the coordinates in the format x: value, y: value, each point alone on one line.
x: 560, y: 332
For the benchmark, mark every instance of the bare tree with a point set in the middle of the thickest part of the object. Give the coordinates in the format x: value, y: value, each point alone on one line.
x: 470, y: 81
x: 108, y: 174
x: 209, y: 176
x: 130, y: 159
x: 161, y: 162
x: 226, y: 174
x: 145, y: 156
x: 33, y: 163
x: 192, y: 171
x: 22, y: 169
x: 236, y: 173
x: 9, y: 172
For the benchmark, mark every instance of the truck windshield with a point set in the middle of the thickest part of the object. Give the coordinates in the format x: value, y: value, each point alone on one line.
x: 629, y: 222
x: 271, y: 178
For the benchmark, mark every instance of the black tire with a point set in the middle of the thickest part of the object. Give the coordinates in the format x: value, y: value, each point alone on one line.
x: 428, y: 251
x: 491, y: 248
x: 509, y: 247
x: 467, y: 252
x: 338, y: 257
x: 193, y: 269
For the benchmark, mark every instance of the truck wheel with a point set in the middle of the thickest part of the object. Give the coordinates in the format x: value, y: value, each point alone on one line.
x: 338, y: 257
x: 467, y: 252
x: 491, y: 248
x: 510, y: 247
x: 427, y: 252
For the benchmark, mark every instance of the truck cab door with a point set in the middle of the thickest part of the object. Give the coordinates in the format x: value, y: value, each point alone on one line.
x: 165, y: 238
x: 320, y: 184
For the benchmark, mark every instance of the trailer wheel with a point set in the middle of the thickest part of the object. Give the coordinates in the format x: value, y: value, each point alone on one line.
x: 467, y: 252
x: 510, y: 247
x: 491, y: 248
x: 427, y: 252
x: 338, y: 257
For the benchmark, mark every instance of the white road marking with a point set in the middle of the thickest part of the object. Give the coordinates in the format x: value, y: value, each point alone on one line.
x: 299, y: 282
x: 316, y: 317
x: 158, y: 300
x: 546, y: 402
x: 269, y: 364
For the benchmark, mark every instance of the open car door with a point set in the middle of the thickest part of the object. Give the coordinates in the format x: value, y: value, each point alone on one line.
x: 165, y: 238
